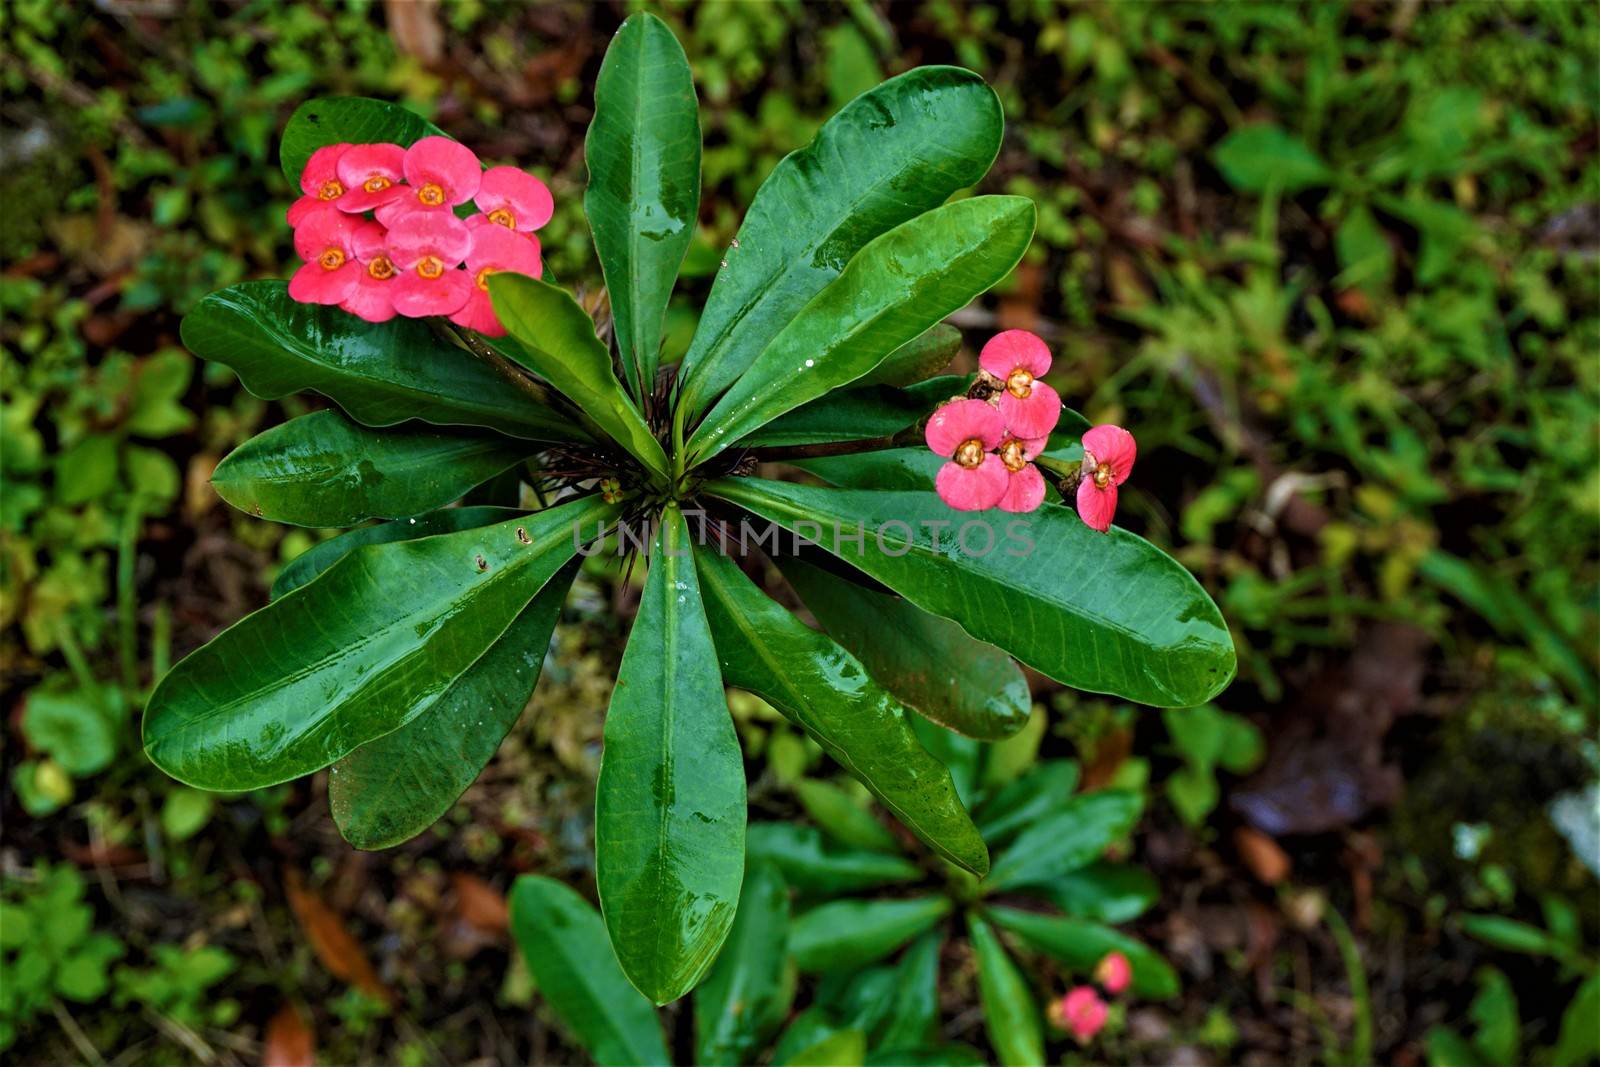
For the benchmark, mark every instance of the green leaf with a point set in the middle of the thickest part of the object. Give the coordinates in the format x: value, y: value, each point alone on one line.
x: 643, y: 152
x: 185, y: 813
x: 846, y: 934
x: 558, y: 341
x: 380, y: 373
x: 566, y: 948
x: 1081, y: 945
x: 391, y: 789
x: 746, y: 996
x: 324, y: 554
x: 842, y: 818
x: 354, y: 655
x: 932, y: 1056
x: 1580, y: 1038
x: 956, y: 751
x: 844, y: 1048
x: 897, y: 286
x: 670, y: 803
x: 1193, y: 792
x: 356, y: 119
x: 1041, y: 790
x: 1254, y: 159
x: 886, y: 469
x: 1013, y: 756
x: 1108, y: 613
x: 1494, y: 1012
x: 324, y: 470
x: 1364, y: 252
x: 857, y: 414
x: 1072, y: 836
x: 1513, y: 936
x: 826, y: 691
x: 1105, y: 892
x: 1010, y: 1014
x: 891, y: 154
x: 914, y: 1015
x: 76, y: 727
x: 919, y: 358
x: 1446, y: 1048
x: 928, y: 662
x: 813, y: 864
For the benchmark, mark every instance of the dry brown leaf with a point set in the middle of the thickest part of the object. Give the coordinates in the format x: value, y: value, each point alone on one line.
x: 480, y: 904
x: 289, y: 1041
x: 1265, y: 858
x: 334, y: 945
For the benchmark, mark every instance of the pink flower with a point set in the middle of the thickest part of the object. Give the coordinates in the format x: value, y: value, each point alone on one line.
x: 494, y: 249
x: 1108, y: 453
x: 514, y: 199
x: 371, y: 298
x: 440, y: 173
x: 427, y: 246
x: 965, y: 431
x: 1114, y: 973
x: 319, y: 181
x: 371, y: 175
x: 1024, y: 483
x: 1016, y: 358
x: 325, y: 240
x: 1081, y: 1013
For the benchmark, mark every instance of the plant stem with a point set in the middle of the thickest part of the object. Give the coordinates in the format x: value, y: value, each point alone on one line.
x: 127, y: 608
x: 838, y: 448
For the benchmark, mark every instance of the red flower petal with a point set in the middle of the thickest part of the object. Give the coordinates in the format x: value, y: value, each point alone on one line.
x: 1024, y: 490
x: 1033, y: 416
x: 1096, y: 505
x: 322, y: 227
x: 1111, y: 445
x: 1012, y: 349
x: 322, y: 167
x: 478, y: 314
x: 497, y: 248
x: 365, y: 161
x: 515, y: 191
x: 428, y: 233
x: 314, y: 284
x: 370, y: 298
x: 368, y: 240
x: 962, y: 420
x: 300, y: 207
x: 415, y: 296
x: 972, y: 489
x: 449, y: 164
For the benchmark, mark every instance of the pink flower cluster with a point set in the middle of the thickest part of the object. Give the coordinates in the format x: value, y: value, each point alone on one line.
x: 1081, y: 1012
x: 992, y: 442
x: 405, y: 259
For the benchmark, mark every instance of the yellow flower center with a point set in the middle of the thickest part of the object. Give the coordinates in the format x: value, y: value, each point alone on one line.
x: 502, y: 217
x: 1020, y: 384
x: 380, y: 268
x: 970, y: 453
x: 331, y: 259
x: 431, y: 194
x: 1102, y: 476
x: 483, y: 278
x: 430, y: 267
x: 376, y: 184
x: 1011, y: 455
x: 331, y: 190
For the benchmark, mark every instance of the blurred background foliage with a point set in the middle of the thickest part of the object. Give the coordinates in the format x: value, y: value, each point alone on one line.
x: 1334, y: 263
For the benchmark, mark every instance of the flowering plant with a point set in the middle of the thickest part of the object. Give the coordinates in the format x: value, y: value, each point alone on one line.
x: 399, y: 654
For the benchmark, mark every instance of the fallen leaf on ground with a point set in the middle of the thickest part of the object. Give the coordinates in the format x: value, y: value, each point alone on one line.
x: 334, y: 945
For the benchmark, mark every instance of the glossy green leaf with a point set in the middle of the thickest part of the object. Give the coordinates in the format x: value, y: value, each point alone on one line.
x: 670, y: 803
x: 557, y: 340
x: 846, y: 934
x: 746, y: 995
x: 857, y: 414
x: 1072, y: 836
x: 813, y: 864
x: 324, y: 554
x: 897, y: 286
x: 927, y: 661
x: 354, y: 655
x: 564, y: 942
x: 1042, y: 789
x: 919, y: 358
x: 913, y: 1018
x: 1108, y: 613
x: 1011, y: 757
x: 1105, y: 892
x: 959, y: 753
x: 842, y: 818
x: 391, y: 789
x: 844, y: 1048
x: 380, y: 373
x: 1010, y: 1014
x: 825, y: 690
x: 1081, y: 945
x: 1256, y: 158
x: 323, y: 470
x: 931, y: 1056
x: 643, y: 152
x: 355, y: 119
x: 891, y: 154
